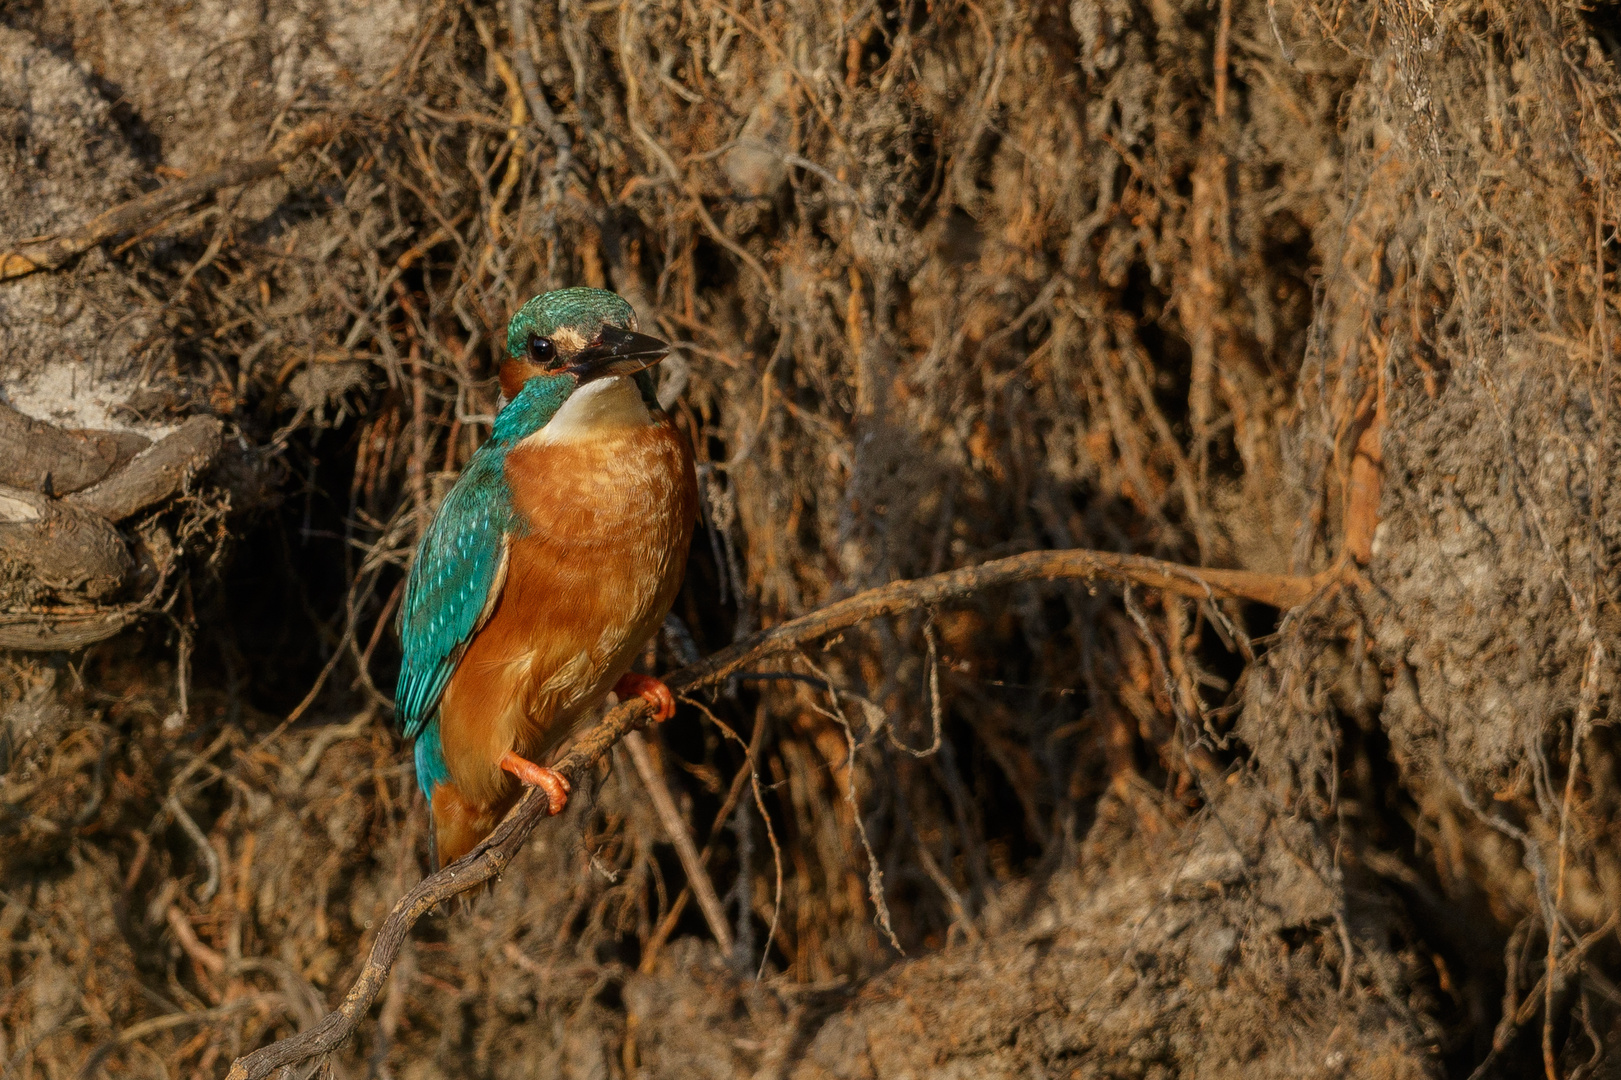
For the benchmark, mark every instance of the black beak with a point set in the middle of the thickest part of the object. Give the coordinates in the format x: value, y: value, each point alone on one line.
x: 617, y: 352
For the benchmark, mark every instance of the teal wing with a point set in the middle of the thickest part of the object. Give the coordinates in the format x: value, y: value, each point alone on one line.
x: 458, y: 574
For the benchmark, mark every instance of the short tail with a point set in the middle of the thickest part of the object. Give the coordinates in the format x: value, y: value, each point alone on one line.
x: 456, y: 825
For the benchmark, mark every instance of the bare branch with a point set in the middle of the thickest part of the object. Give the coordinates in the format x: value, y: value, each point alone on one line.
x: 493, y: 856
x: 676, y: 829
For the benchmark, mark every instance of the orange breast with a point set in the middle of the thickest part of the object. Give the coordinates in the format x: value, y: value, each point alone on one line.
x: 609, y: 523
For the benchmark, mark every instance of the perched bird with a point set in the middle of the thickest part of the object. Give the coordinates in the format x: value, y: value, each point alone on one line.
x: 548, y: 566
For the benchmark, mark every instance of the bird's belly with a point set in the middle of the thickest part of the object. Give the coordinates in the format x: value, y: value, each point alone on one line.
x: 608, y: 523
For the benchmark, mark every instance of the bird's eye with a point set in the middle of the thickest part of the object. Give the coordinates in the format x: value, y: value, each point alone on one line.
x: 542, y: 350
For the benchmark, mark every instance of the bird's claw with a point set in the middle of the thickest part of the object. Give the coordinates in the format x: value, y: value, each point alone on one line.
x: 651, y: 690
x: 552, y: 782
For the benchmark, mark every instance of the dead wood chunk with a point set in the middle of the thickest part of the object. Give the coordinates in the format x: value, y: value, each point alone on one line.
x: 161, y: 471
x: 64, y: 547
x: 43, y: 457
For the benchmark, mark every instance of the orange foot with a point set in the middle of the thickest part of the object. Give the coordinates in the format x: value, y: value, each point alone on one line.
x: 649, y: 689
x: 552, y: 782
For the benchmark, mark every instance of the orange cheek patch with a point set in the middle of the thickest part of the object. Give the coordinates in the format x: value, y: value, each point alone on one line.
x: 514, y: 373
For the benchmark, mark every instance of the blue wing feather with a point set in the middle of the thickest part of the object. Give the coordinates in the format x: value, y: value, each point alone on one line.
x: 457, y: 574
x: 451, y: 586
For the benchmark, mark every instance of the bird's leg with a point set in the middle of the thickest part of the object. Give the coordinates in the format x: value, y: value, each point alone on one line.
x: 552, y: 782
x: 649, y: 689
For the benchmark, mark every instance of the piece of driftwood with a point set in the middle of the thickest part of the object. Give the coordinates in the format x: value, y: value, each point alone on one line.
x: 157, y: 473
x: 43, y: 457
x: 496, y: 852
x: 56, y: 251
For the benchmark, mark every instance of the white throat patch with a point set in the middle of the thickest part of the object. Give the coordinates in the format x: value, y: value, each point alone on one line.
x: 614, y: 402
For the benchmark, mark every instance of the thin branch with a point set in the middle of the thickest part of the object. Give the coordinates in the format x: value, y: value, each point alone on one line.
x: 54, y: 252
x: 491, y: 857
x: 875, y: 874
x: 1281, y: 591
x: 697, y: 876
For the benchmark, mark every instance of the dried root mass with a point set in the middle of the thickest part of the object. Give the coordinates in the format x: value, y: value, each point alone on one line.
x: 1316, y: 295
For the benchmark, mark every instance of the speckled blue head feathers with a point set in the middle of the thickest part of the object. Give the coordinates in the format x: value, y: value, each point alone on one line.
x: 583, y: 311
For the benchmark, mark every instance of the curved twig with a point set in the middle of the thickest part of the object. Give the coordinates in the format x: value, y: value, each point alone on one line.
x: 495, y: 853
x: 50, y: 253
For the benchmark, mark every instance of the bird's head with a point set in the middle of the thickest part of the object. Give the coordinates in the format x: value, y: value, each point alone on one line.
x: 562, y: 341
x: 573, y: 336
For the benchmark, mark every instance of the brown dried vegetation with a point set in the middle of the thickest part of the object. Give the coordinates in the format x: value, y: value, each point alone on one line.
x: 1281, y: 286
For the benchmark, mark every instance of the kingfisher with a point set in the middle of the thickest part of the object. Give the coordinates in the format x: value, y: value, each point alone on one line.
x: 548, y: 566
